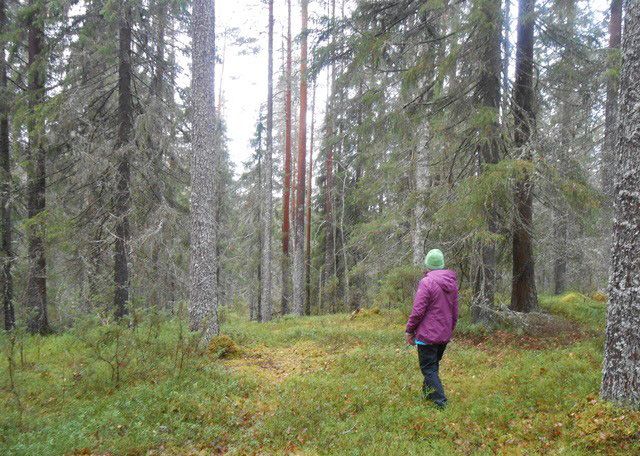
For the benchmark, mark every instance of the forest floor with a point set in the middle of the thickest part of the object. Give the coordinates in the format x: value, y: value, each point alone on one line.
x: 316, y: 385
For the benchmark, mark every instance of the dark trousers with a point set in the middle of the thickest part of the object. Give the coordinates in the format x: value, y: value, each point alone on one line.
x: 429, y: 357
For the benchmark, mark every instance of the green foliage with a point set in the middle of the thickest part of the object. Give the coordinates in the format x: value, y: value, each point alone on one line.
x: 478, y: 194
x: 397, y: 287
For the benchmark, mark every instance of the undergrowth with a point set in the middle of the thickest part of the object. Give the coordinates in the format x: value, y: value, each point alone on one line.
x: 336, y: 384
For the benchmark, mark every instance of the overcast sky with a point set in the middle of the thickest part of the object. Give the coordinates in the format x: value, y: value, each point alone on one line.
x: 244, y: 79
x: 244, y: 76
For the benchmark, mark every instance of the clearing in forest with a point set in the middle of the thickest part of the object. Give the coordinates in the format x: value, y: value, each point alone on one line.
x: 324, y: 385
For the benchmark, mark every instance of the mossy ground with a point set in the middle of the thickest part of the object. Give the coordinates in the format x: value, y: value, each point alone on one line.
x: 319, y: 385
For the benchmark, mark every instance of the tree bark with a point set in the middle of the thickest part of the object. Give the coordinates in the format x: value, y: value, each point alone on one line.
x: 611, y: 105
x: 523, y: 287
x: 307, y: 261
x: 286, y: 203
x: 122, y: 200
x: 421, y: 179
x: 560, y: 230
x: 490, y: 30
x: 298, y: 260
x: 5, y: 196
x: 564, y: 155
x: 203, y: 307
x: 267, y: 196
x: 36, y: 295
x: 621, y: 371
x: 329, y: 191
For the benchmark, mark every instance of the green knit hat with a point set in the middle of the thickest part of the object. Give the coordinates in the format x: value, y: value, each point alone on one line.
x: 434, y: 259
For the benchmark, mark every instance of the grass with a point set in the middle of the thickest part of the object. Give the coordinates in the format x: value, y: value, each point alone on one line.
x: 315, y: 385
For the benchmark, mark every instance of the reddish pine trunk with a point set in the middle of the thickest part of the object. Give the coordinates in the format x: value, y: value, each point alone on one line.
x: 286, y: 204
x: 523, y: 290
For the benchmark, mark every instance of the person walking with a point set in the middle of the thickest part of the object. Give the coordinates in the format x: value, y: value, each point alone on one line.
x: 432, y: 321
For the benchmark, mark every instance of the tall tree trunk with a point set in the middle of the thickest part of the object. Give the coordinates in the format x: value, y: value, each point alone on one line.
x: 36, y: 297
x: 298, y: 258
x: 307, y: 261
x: 523, y: 288
x: 159, y: 67
x: 257, y: 311
x: 329, y: 191
x: 5, y: 196
x: 621, y: 372
x: 122, y: 205
x: 564, y: 153
x: 157, y: 297
x: 267, y: 189
x: 490, y: 30
x: 286, y: 203
x: 203, y: 307
x: 611, y: 105
x: 560, y: 231
x: 421, y: 182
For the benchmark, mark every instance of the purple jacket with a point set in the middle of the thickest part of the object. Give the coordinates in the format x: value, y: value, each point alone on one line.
x: 435, y: 307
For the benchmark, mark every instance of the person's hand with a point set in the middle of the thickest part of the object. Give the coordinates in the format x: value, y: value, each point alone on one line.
x: 411, y: 340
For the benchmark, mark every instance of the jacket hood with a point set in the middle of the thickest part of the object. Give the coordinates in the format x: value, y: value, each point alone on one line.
x: 445, y: 278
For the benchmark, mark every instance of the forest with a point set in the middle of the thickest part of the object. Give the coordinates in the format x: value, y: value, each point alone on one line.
x: 173, y: 284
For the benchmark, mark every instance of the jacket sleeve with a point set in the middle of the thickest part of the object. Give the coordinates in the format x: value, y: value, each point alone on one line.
x: 420, y: 305
x: 454, y: 313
